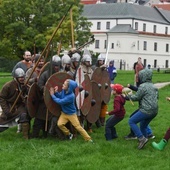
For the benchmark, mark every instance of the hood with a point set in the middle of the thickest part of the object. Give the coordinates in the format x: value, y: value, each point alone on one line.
x: 145, y: 75
x: 72, y: 86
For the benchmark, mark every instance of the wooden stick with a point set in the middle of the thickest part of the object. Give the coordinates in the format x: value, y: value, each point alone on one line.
x: 59, y: 48
x: 46, y: 120
x: 129, y: 98
x: 49, y: 42
x: 72, y: 28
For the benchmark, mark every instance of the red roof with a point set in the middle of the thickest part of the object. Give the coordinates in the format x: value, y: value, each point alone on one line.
x: 88, y: 1
x: 162, y: 6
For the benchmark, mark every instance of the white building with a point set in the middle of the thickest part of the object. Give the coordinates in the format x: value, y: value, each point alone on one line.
x: 131, y: 31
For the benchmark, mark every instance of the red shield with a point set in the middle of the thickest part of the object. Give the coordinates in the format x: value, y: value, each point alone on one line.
x: 79, y: 93
x: 83, y: 96
x: 56, y: 79
x: 95, y: 109
x: 33, y: 100
x: 88, y: 95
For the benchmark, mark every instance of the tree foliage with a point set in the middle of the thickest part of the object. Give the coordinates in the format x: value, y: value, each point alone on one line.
x: 30, y: 23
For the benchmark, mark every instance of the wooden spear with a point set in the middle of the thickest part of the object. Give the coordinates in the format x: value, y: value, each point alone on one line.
x: 49, y: 42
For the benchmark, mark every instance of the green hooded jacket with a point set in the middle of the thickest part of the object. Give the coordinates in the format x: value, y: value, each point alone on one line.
x: 147, y: 94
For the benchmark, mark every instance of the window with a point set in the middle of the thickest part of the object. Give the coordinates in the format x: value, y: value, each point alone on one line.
x: 144, y: 62
x: 112, y: 45
x: 154, y: 29
x: 155, y: 63
x: 144, y: 45
x: 144, y: 27
x: 138, y: 45
x: 166, y: 63
x: 136, y: 25
x: 155, y: 46
x: 105, y: 44
x: 98, y: 25
x: 166, y: 30
x: 167, y: 47
x: 97, y: 44
x: 107, y: 25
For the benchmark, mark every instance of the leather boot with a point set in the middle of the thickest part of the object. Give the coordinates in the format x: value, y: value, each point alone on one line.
x: 102, y: 120
x: 25, y: 130
x: 98, y: 123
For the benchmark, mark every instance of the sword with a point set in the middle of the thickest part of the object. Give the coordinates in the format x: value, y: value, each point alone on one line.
x: 107, y: 53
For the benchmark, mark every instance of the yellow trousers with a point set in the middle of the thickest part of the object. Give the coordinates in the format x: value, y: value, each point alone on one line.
x: 64, y: 118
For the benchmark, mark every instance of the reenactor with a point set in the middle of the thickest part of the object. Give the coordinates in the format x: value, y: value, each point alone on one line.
x: 9, y: 96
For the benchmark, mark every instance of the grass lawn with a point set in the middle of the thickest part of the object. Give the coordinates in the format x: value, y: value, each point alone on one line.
x: 51, y: 153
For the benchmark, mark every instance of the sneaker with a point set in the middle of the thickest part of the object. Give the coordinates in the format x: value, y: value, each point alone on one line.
x: 18, y: 131
x: 142, y: 142
x: 70, y: 136
x: 91, y: 141
x: 130, y: 137
x: 151, y: 136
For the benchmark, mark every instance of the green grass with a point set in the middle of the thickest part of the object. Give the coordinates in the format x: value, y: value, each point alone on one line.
x: 51, y: 153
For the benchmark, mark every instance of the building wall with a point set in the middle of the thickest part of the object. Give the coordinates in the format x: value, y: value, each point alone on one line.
x: 128, y: 47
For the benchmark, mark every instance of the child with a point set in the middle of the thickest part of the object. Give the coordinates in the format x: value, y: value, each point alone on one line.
x: 147, y: 96
x: 117, y: 114
x: 66, y: 98
x: 131, y: 135
x: 112, y: 71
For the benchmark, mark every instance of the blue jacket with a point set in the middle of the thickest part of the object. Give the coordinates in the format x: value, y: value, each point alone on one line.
x: 66, y: 99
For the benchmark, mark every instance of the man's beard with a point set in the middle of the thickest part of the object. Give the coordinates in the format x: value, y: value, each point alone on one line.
x: 27, y: 60
x: 67, y: 68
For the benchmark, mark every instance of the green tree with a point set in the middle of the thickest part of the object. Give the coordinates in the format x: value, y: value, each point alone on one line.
x: 29, y: 22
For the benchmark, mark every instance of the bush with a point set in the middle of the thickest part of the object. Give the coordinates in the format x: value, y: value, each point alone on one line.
x: 6, y: 65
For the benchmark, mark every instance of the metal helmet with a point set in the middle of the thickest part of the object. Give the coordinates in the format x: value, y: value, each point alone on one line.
x: 101, y: 57
x: 37, y: 56
x: 87, y: 57
x: 75, y: 57
x: 19, y: 72
x: 56, y: 60
x: 65, y: 59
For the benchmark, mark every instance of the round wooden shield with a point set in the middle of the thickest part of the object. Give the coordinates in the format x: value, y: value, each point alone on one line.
x: 56, y: 79
x: 102, y: 78
x: 86, y: 84
x: 79, y: 93
x: 33, y: 100
x: 106, y: 89
x: 95, y: 109
x: 97, y: 75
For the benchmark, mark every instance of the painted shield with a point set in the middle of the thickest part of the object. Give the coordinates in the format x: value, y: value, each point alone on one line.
x: 95, y: 109
x: 33, y: 100
x: 84, y: 92
x: 80, y: 93
x: 87, y: 95
x: 56, y: 79
x: 102, y: 78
